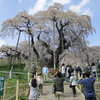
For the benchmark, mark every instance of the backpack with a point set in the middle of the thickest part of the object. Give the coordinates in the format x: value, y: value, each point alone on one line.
x: 70, y: 70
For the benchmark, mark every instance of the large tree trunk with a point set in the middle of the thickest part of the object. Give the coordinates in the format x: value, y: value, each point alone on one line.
x: 87, y: 59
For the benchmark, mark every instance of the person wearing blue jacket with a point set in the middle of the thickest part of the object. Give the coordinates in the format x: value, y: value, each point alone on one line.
x: 88, y: 86
x: 45, y: 72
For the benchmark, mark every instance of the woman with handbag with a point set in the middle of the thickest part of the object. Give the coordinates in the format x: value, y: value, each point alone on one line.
x: 73, y: 80
x: 33, y: 94
x: 58, y: 82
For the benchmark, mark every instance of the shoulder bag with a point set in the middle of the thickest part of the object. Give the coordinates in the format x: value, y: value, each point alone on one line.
x: 53, y: 89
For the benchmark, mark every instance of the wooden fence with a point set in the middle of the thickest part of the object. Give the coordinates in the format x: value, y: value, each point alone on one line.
x: 14, y: 92
x: 11, y: 74
x: 97, y: 90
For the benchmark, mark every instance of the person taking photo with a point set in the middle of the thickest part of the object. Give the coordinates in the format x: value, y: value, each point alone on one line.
x: 88, y: 86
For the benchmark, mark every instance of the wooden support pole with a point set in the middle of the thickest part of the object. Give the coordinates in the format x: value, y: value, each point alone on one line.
x: 4, y: 91
x: 28, y: 76
x: 17, y: 90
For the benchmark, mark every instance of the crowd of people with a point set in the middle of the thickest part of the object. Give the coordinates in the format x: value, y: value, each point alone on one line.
x: 67, y: 73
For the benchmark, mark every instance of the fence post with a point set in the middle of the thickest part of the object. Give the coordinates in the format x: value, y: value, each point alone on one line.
x: 10, y: 72
x: 4, y: 91
x: 17, y: 90
x: 28, y: 76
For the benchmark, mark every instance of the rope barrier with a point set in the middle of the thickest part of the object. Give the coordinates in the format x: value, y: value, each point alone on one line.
x: 21, y: 92
x: 13, y: 72
x: 11, y: 97
x: 97, y: 90
x: 20, y: 73
x: 4, y: 71
x: 23, y: 84
x: 97, y: 82
x: 10, y: 87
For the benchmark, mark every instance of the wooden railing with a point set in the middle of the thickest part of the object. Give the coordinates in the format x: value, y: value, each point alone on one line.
x: 14, y: 92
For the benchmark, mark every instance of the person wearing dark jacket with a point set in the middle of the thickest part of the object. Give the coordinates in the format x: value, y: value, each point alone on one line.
x: 70, y: 70
x: 58, y: 82
x: 88, y: 86
x: 78, y: 70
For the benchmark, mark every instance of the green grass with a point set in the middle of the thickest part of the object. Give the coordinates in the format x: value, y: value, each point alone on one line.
x: 14, y: 79
x: 3, y: 67
x: 15, y: 67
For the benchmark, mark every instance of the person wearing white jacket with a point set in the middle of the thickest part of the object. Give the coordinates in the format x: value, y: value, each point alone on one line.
x: 73, y: 80
x: 33, y: 94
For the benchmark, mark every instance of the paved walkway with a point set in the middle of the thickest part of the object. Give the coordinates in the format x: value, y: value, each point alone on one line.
x: 47, y: 95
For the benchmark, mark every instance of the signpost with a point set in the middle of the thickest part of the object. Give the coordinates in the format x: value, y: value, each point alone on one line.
x: 1, y: 85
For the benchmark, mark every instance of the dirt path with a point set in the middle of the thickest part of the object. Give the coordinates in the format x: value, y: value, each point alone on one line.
x: 47, y: 95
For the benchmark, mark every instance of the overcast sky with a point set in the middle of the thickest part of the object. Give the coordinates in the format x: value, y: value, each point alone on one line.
x: 10, y: 8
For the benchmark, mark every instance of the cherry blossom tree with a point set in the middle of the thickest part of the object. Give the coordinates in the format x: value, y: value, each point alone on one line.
x: 70, y: 30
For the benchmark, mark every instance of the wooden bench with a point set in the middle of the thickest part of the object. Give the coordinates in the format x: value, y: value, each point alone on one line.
x: 52, y: 71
